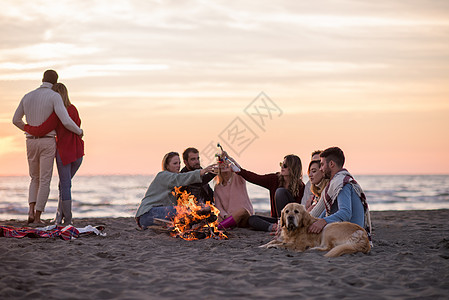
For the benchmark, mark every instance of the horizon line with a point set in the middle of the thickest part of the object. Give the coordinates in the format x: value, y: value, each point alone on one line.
x: 153, y: 174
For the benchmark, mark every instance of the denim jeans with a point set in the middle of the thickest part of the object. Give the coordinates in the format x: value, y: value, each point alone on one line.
x: 66, y: 173
x: 159, y: 212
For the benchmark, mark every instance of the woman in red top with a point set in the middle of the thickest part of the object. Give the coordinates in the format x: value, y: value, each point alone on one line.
x: 285, y: 186
x: 69, y: 153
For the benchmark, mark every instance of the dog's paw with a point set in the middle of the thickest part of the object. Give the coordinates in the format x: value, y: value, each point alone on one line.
x: 272, y: 244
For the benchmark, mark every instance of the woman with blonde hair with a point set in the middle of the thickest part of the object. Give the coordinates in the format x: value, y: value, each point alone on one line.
x: 159, y: 201
x: 69, y: 153
x: 231, y: 197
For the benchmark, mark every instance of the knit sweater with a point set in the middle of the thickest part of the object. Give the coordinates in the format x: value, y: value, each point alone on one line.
x: 39, y: 104
x: 307, y: 193
x: 159, y: 191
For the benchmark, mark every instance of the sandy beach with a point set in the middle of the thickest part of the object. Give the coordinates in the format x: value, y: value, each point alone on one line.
x: 410, y: 259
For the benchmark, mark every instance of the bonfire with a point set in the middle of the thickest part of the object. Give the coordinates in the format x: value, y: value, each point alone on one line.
x: 194, y: 221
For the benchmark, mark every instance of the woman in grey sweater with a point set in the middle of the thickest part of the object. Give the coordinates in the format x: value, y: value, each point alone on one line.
x: 159, y: 201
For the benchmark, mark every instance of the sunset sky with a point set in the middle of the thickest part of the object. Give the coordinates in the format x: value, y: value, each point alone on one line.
x: 263, y: 78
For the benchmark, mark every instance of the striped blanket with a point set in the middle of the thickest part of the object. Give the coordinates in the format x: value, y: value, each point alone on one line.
x: 64, y: 232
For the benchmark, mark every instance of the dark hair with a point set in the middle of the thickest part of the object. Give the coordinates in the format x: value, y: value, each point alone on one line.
x: 167, y: 158
x: 311, y: 163
x: 185, y: 154
x: 316, y: 152
x: 50, y: 76
x: 335, y: 154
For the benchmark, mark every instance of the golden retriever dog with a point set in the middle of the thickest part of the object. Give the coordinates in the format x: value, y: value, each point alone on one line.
x: 338, y: 238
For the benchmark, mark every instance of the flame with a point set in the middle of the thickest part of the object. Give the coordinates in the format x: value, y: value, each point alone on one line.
x: 192, y: 220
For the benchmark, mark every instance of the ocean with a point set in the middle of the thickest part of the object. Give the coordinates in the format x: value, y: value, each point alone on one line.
x: 120, y: 195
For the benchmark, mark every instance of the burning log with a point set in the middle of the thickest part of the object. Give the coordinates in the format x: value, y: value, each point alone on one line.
x: 201, y: 214
x: 201, y: 223
x: 193, y: 235
x: 193, y: 221
x: 205, y: 211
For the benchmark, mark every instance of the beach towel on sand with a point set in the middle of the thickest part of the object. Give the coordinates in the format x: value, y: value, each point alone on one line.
x: 68, y: 232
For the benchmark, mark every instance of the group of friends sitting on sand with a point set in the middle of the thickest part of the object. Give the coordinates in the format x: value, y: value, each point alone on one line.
x: 331, y: 195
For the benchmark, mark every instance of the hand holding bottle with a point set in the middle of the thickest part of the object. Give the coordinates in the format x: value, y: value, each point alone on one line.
x: 234, y: 166
x: 224, y: 157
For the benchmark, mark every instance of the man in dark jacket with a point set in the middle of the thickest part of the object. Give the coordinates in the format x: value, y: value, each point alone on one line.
x: 201, y: 191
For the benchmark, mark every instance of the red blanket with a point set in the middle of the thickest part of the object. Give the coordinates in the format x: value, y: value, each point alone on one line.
x: 64, y: 232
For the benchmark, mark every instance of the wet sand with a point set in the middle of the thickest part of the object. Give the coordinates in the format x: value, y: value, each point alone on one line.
x: 410, y: 259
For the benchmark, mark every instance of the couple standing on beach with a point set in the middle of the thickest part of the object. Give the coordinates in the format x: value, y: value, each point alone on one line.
x: 52, y: 132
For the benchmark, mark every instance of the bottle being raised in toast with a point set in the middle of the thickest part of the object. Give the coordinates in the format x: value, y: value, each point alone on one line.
x: 224, y: 158
x: 234, y: 167
x: 219, y: 154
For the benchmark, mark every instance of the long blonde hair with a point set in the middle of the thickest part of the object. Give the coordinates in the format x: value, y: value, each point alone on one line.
x: 62, y: 90
x: 294, y: 165
x: 219, y: 178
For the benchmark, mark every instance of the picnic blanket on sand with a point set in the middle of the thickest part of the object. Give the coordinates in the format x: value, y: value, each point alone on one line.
x: 68, y: 232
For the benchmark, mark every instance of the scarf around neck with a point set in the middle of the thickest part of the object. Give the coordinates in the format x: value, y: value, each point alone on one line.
x: 331, y: 191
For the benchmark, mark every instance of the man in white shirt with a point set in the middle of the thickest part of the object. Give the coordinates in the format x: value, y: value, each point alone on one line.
x: 37, y: 106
